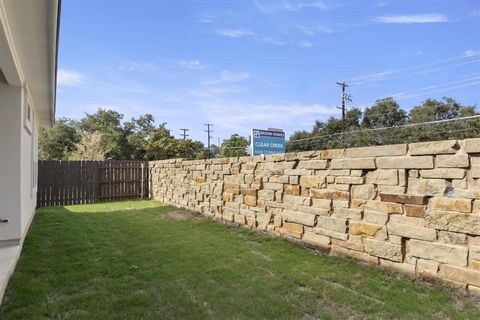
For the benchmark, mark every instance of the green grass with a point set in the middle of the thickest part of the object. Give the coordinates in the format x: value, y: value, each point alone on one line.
x: 139, y: 260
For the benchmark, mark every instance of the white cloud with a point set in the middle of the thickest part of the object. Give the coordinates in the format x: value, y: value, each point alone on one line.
x: 192, y: 64
x: 314, y: 30
x: 227, y: 76
x: 138, y: 66
x: 471, y: 53
x: 410, y: 19
x: 243, y: 116
x: 206, y: 18
x: 275, y: 41
x: 234, y: 33
x: 306, y: 44
x: 289, y: 5
x: 70, y: 78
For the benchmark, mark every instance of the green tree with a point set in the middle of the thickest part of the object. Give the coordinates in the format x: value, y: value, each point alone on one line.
x: 384, y: 113
x: 447, y: 108
x: 139, y: 132
x: 298, y: 141
x: 108, y: 124
x: 55, y: 142
x: 234, y: 146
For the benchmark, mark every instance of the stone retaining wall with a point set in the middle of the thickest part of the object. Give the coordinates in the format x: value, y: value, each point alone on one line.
x: 414, y: 208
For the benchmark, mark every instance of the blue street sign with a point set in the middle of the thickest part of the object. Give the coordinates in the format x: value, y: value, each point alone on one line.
x: 267, y: 142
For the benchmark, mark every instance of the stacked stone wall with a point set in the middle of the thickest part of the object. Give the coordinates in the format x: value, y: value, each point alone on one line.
x: 414, y: 208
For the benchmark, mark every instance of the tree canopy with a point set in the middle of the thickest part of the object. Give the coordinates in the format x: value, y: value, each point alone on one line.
x: 361, y: 126
x: 103, y: 135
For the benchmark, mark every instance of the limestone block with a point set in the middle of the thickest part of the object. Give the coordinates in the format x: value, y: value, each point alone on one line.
x: 408, y: 231
x: 248, y: 192
x: 427, y: 186
x: 415, y: 211
x: 383, y: 177
x: 337, y: 204
x: 312, y: 164
x: 293, y: 190
x: 331, y: 234
x: 355, y: 163
x: 443, y: 173
x: 332, y: 223
x: 273, y: 186
x: 366, y: 192
x: 444, y: 253
x: 333, y: 154
x: 279, y: 179
x: 312, y: 181
x: 298, y: 200
x: 453, y: 161
x: 266, y: 195
x: 357, y: 173
x: 452, y: 221
x: 292, y: 229
x: 238, y: 218
x: 403, y: 198
x: 452, y: 204
x: 375, y: 217
x: 460, y: 274
x: 277, y: 221
x: 347, y: 213
x: 298, y: 172
x: 383, y: 249
x: 401, y: 219
x: 340, y: 172
x: 341, y: 187
x: 471, y: 193
x: 420, y: 162
x: 472, y: 145
x: 316, y: 240
x: 341, y: 251
x: 405, y: 268
x: 329, y: 194
x: 452, y: 237
x: 391, y: 189
x: 299, y: 217
x: 435, y: 147
x: 427, y: 267
x: 377, y: 151
x: 475, y: 252
x: 384, y: 207
x: 350, y: 180
x: 365, y: 229
x: 250, y: 200
x: 322, y: 203
x: 461, y: 184
x: 349, y: 245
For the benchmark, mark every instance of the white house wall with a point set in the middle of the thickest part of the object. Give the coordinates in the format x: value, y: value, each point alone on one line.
x: 10, y: 161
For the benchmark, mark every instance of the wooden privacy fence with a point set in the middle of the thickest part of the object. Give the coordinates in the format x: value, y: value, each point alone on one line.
x: 79, y: 182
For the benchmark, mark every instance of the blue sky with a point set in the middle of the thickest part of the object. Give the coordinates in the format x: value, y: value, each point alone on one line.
x: 256, y: 64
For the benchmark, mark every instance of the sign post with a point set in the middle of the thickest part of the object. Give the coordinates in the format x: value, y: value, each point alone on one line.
x: 267, y: 141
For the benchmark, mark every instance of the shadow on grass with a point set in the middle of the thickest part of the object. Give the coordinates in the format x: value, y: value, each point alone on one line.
x: 143, y: 259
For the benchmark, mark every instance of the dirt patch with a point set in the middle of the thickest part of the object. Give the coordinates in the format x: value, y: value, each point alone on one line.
x: 180, y: 215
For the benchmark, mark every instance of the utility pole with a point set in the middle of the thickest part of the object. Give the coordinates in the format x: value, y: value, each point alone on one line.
x: 208, y: 131
x: 345, y: 98
x: 184, y: 134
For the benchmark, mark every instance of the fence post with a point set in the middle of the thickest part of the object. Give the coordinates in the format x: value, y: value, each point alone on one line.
x: 142, y: 165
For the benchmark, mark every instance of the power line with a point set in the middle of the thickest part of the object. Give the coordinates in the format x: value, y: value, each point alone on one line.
x: 384, y: 75
x: 184, y: 134
x: 410, y: 125
x: 208, y: 131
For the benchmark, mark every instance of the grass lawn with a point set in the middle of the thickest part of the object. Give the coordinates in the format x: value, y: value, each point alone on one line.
x: 145, y: 260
